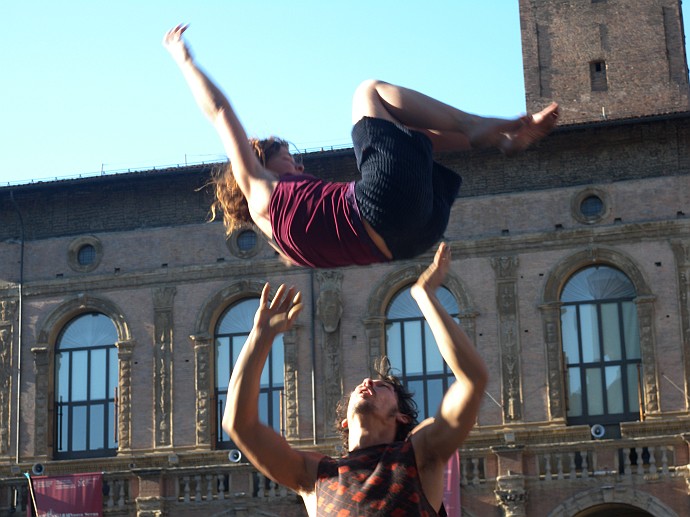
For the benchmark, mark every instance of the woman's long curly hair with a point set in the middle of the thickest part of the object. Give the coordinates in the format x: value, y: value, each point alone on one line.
x: 230, y: 200
x: 406, y: 404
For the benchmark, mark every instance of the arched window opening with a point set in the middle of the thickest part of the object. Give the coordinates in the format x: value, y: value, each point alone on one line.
x: 412, y: 350
x: 601, y: 347
x: 86, y: 380
x: 231, y: 333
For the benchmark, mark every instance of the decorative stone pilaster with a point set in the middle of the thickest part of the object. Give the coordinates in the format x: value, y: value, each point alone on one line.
x: 162, y: 371
x: 551, y: 322
x: 329, y: 309
x: 124, y: 397
x: 203, y: 362
x: 7, y: 312
x: 681, y: 251
x: 374, y: 327
x: 291, y: 395
x: 509, y: 336
x: 511, y: 495
x: 650, y: 376
x: 42, y: 370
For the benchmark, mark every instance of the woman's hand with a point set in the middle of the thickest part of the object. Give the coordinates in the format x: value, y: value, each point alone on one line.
x: 175, y: 45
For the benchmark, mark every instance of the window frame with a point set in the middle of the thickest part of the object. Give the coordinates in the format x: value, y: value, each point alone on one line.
x: 606, y: 418
x: 411, y: 380
x: 270, y: 391
x: 108, y: 403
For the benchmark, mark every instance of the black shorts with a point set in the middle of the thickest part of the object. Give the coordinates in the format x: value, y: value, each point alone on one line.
x: 403, y: 194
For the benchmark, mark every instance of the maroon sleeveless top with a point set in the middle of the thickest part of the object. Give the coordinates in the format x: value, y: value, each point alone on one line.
x: 379, y: 480
x: 316, y: 223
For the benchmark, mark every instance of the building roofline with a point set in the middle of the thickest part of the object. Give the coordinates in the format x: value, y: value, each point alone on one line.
x: 312, y: 153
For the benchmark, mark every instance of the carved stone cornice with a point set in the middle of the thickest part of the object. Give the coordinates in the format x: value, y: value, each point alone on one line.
x: 567, y: 239
x: 150, y: 278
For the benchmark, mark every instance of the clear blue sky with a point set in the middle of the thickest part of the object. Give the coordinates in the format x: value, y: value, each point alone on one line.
x: 88, y: 86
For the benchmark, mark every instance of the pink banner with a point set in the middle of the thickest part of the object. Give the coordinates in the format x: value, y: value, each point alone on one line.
x: 73, y: 495
x: 451, y: 488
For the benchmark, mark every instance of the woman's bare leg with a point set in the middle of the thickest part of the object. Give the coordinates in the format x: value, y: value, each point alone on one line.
x: 450, y: 128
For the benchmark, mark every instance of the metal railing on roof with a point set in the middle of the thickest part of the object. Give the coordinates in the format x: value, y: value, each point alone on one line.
x: 108, y: 172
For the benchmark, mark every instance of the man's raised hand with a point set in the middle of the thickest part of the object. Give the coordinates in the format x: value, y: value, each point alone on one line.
x: 279, y: 314
x: 432, y: 278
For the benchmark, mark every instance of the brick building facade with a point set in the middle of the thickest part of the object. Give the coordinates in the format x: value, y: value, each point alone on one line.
x: 608, y: 197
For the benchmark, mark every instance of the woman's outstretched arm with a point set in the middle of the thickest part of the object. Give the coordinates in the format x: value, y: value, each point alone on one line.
x: 250, y: 175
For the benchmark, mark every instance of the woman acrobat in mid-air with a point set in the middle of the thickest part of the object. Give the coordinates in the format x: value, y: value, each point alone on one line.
x: 397, y: 210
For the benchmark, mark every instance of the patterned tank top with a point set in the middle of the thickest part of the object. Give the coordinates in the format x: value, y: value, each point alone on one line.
x: 380, y: 480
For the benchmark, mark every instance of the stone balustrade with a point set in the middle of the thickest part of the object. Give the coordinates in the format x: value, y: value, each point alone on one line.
x: 512, y: 470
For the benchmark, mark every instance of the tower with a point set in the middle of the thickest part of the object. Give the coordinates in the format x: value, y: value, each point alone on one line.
x: 604, y: 59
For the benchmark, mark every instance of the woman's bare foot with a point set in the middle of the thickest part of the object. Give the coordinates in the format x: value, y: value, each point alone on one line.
x: 533, y: 128
x: 513, y: 136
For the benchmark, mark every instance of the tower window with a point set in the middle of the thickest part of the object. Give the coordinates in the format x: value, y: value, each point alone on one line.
x: 597, y: 73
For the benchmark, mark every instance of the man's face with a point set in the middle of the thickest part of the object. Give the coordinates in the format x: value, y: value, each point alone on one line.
x: 373, y: 396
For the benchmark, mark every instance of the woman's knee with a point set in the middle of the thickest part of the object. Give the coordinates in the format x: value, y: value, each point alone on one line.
x: 366, y: 101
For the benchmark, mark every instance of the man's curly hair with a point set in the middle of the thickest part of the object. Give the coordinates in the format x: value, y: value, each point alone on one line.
x: 406, y: 404
x: 230, y: 202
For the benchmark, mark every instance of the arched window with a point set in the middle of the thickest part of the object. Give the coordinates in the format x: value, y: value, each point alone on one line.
x: 85, y: 388
x: 231, y: 333
x: 601, y: 346
x: 412, y: 350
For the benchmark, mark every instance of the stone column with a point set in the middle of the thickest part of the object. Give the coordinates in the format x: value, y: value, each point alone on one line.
x: 509, y: 336
x: 551, y: 321
x: 329, y: 310
x: 124, y: 398
x: 41, y: 419
x: 681, y: 251
x: 650, y: 377
x: 163, y: 368
x: 291, y: 393
x: 374, y: 327
x: 7, y: 312
x: 203, y: 362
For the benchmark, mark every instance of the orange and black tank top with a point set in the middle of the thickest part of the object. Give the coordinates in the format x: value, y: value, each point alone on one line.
x: 379, y: 480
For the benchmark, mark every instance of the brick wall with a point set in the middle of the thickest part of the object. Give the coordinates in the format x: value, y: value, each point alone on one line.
x: 639, y: 43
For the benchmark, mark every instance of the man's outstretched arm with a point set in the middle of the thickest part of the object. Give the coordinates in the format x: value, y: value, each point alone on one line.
x: 438, y: 438
x: 266, y: 449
